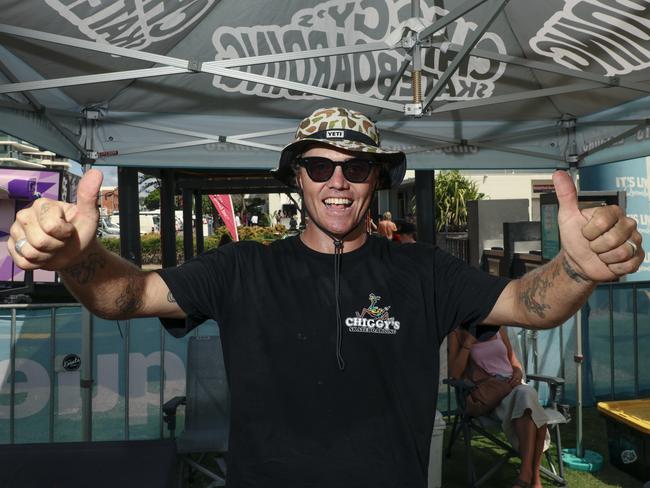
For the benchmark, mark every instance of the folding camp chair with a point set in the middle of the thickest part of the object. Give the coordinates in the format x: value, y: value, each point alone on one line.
x: 204, y: 441
x: 490, y: 426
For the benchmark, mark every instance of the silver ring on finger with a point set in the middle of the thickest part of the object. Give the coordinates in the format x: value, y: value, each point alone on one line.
x: 634, y: 247
x: 19, y: 245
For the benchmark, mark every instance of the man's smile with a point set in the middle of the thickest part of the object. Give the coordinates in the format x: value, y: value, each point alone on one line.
x: 337, y: 202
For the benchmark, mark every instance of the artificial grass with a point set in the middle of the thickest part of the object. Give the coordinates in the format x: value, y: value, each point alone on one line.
x: 454, y: 473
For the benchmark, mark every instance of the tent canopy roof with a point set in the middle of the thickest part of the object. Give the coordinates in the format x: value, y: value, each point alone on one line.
x: 223, y: 83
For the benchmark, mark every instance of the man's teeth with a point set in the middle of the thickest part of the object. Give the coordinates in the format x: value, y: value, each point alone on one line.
x: 338, y: 201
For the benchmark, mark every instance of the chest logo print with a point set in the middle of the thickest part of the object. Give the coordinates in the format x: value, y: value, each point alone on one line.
x: 373, y: 319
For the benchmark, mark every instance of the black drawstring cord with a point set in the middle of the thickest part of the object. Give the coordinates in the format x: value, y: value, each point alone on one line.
x: 338, y: 251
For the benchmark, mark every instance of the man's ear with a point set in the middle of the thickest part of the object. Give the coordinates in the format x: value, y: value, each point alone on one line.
x: 298, y: 181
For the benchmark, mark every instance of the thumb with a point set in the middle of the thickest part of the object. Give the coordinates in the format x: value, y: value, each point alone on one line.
x: 566, y: 193
x: 87, y: 192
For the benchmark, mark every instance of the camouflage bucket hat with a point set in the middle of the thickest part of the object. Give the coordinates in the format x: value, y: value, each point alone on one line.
x: 344, y: 129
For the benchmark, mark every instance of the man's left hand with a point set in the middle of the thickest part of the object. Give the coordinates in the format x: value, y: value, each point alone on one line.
x: 602, y: 243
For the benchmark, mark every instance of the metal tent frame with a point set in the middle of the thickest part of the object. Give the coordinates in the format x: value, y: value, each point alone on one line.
x: 413, y: 36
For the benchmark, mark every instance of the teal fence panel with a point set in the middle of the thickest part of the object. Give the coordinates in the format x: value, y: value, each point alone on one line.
x: 137, y: 366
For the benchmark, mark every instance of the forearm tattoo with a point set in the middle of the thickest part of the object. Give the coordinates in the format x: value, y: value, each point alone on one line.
x: 572, y: 273
x: 84, y: 272
x: 170, y: 297
x: 536, y: 286
x: 130, y: 300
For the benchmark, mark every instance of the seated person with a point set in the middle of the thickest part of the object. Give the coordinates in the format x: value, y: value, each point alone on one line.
x: 523, y: 418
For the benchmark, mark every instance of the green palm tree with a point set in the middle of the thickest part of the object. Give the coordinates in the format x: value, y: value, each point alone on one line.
x: 452, y: 192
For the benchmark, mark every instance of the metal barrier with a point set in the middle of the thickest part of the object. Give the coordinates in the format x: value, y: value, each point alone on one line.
x: 133, y: 367
x: 618, y: 334
x: 13, y: 308
x: 455, y: 243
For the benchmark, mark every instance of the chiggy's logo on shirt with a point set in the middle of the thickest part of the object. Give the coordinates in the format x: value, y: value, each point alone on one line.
x: 373, y: 319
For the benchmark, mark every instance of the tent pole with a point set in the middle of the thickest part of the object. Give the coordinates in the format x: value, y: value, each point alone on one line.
x: 517, y: 97
x: 167, y: 227
x: 86, y: 373
x: 130, y: 247
x: 549, y: 68
x: 198, y: 210
x: 614, y: 140
x: 43, y: 112
x: 449, y: 141
x: 471, y: 41
x: 424, y: 197
x: 188, y: 244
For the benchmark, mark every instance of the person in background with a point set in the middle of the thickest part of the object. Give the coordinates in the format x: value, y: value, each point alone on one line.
x: 405, y: 231
x: 522, y: 417
x: 371, y: 227
x: 386, y: 226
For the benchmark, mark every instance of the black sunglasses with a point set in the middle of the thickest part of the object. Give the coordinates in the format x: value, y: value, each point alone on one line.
x: 320, y: 169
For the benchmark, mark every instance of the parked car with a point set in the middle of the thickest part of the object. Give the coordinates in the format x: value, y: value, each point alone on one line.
x: 106, y: 228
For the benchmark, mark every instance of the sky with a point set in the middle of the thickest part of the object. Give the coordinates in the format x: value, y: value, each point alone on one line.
x: 110, y: 173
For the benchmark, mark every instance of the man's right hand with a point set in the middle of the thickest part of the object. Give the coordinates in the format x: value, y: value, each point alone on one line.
x: 56, y: 234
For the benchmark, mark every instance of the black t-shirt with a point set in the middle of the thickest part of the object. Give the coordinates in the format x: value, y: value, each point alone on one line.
x: 297, y: 419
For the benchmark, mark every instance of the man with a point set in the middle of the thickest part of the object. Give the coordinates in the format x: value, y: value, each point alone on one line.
x: 330, y: 338
x: 386, y: 226
x: 405, y: 231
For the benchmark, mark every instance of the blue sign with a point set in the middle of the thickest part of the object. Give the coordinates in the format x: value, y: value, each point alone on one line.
x: 633, y: 177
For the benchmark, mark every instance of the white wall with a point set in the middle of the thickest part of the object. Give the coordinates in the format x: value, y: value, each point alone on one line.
x: 276, y: 200
x: 500, y: 185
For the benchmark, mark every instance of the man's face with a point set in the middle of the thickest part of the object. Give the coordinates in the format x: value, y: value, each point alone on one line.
x: 336, y: 204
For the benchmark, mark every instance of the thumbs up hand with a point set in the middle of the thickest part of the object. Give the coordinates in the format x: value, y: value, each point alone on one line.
x: 601, y: 244
x: 52, y: 235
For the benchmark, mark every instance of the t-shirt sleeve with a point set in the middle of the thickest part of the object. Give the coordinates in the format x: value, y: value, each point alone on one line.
x: 464, y: 295
x: 200, y: 288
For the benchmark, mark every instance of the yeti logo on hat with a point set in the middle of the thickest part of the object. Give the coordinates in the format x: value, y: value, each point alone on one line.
x: 335, y: 134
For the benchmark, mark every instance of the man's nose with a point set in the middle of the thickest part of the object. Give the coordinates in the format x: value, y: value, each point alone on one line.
x: 338, y: 179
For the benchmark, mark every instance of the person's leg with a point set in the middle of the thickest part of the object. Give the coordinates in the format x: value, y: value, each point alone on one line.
x: 537, y: 458
x: 526, y: 434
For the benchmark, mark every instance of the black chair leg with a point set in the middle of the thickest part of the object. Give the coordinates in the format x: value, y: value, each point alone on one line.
x: 455, y: 429
x: 558, y: 444
x: 467, y: 435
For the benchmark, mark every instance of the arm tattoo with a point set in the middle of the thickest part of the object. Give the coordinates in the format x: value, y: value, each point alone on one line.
x: 130, y: 300
x: 45, y: 208
x: 84, y: 272
x: 572, y: 273
x: 534, y: 293
x: 170, y: 297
